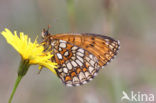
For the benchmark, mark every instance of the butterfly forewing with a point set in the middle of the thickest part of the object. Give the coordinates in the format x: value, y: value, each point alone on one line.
x: 81, y: 56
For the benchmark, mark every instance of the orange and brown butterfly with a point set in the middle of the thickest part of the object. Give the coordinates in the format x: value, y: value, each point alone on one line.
x: 79, y: 56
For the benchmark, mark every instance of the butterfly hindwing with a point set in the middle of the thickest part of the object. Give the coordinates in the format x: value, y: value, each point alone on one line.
x: 81, y: 56
x: 75, y: 65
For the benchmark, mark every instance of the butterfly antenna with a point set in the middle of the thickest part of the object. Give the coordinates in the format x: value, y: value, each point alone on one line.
x: 47, y: 31
x: 48, y: 27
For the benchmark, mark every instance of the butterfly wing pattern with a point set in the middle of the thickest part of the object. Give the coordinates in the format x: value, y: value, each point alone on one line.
x: 80, y: 56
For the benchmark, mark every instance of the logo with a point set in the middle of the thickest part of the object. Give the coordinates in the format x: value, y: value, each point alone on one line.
x: 137, y: 97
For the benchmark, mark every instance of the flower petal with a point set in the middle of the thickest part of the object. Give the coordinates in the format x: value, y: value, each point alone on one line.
x: 32, y: 51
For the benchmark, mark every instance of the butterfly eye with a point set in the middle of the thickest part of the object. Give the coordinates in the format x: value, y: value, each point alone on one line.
x: 44, y: 33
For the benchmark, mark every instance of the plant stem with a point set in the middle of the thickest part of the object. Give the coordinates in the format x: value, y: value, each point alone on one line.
x: 18, y: 79
x: 23, y: 68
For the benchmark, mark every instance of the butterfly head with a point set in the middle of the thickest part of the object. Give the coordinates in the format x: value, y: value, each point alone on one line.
x: 48, y: 39
x: 45, y: 33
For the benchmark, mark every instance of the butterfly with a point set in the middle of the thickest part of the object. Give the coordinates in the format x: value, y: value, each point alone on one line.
x: 79, y: 56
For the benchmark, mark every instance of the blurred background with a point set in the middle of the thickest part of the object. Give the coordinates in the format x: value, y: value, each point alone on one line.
x: 130, y: 21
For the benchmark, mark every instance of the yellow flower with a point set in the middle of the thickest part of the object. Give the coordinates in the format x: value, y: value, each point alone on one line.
x: 31, y: 51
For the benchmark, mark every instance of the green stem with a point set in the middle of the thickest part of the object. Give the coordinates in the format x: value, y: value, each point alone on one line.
x: 23, y: 68
x: 15, y: 87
